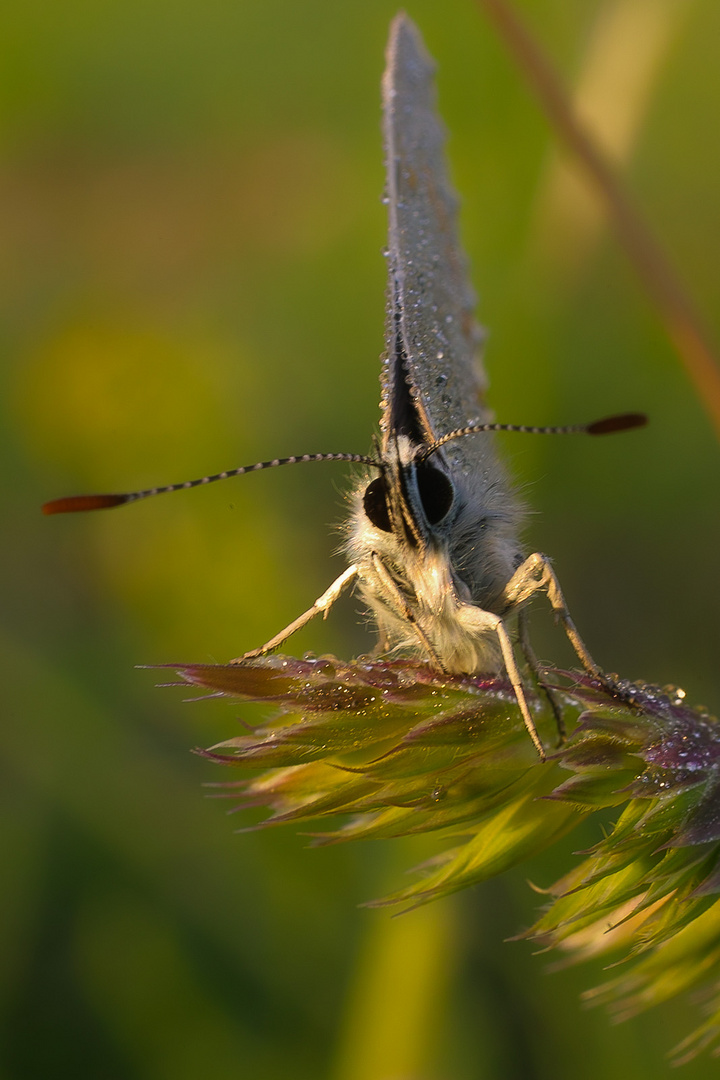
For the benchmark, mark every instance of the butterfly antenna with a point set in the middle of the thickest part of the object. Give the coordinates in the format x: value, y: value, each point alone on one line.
x: 73, y: 504
x: 607, y: 426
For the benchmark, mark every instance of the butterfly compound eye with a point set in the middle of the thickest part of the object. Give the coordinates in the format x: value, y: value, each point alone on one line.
x: 436, y: 493
x: 376, y: 505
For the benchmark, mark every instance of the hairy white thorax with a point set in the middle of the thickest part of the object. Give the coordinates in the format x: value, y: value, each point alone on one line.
x: 421, y: 578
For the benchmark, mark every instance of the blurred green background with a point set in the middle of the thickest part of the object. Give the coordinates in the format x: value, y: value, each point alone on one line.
x: 191, y: 279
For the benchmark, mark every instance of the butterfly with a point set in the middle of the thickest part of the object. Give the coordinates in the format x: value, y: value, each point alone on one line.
x: 432, y: 535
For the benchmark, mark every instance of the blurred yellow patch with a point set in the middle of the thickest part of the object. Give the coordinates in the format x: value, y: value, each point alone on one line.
x: 199, y: 580
x: 116, y: 405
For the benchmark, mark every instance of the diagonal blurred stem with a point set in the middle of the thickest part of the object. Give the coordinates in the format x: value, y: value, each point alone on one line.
x: 682, y: 322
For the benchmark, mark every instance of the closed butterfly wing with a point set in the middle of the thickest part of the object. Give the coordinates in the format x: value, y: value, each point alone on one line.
x: 432, y: 379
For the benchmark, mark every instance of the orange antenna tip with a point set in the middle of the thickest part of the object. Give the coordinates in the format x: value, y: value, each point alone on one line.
x: 611, y: 424
x: 74, y: 504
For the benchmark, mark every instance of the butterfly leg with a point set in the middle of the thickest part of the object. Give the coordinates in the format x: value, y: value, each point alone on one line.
x: 535, y: 671
x: 321, y: 605
x: 403, y: 608
x: 536, y: 574
x: 479, y: 622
